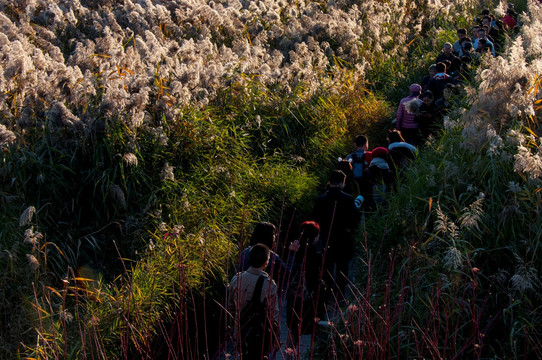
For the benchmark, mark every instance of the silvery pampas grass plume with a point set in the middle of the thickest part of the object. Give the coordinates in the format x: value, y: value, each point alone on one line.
x: 167, y: 173
x: 528, y: 163
x: 453, y: 258
x: 472, y: 215
x: 130, y: 159
x: 6, y: 136
x: 194, y: 49
x: 526, y: 277
x: 31, y: 237
x: 33, y: 262
x: 26, y: 216
x: 445, y: 225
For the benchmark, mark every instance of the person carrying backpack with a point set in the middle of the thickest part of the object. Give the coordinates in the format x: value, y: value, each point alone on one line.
x: 360, y: 158
x: 253, y: 303
x: 378, y: 180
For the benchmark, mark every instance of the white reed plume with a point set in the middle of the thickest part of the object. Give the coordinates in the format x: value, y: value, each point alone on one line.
x: 526, y: 276
x: 453, y: 258
x: 130, y: 159
x: 33, y: 262
x: 167, y: 173
x: 6, y: 136
x: 528, y: 163
x: 444, y: 224
x: 471, y: 215
x: 31, y: 237
x: 27, y: 215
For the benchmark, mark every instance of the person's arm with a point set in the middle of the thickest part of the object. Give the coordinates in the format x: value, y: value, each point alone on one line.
x: 400, y: 114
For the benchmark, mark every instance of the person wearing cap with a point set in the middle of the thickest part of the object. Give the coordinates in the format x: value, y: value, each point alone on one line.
x: 406, y: 121
x: 338, y: 217
x: 378, y: 180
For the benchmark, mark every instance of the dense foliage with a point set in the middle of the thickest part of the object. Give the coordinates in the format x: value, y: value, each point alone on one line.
x: 141, y: 140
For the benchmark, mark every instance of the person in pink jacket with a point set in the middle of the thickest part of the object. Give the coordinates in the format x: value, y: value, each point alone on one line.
x: 405, y: 122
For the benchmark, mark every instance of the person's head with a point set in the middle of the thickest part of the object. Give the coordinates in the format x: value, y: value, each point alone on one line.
x: 395, y: 136
x: 486, y: 20
x: 465, y: 40
x: 264, y: 233
x: 432, y: 70
x: 415, y: 90
x: 308, y: 232
x: 447, y: 49
x: 380, y: 152
x: 361, y: 142
x: 337, y: 179
x: 481, y: 44
x: 467, y: 47
x: 427, y: 97
x: 441, y: 67
x: 258, y: 256
x: 475, y: 30
x: 485, y: 13
x: 461, y: 33
x: 482, y: 33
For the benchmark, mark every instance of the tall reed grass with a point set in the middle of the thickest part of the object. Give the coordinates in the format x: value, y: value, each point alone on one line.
x: 149, y: 136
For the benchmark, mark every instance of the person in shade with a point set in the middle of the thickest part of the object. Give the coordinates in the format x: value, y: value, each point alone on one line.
x: 338, y: 216
x: 438, y: 83
x: 400, y: 153
x: 307, y: 293
x: 378, y: 180
x: 432, y: 71
x: 359, y: 158
x: 252, y: 345
x: 447, y: 55
x: 265, y: 233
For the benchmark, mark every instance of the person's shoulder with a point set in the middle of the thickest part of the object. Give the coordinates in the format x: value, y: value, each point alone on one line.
x: 346, y: 195
x: 236, y: 278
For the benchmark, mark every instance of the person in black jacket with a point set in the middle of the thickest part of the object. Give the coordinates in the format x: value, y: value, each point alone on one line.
x: 307, y: 291
x: 338, y: 217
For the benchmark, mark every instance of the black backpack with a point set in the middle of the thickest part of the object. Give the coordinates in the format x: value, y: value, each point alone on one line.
x: 259, y: 332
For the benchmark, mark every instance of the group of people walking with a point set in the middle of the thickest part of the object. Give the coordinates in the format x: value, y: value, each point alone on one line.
x: 420, y: 114
x: 314, y: 275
